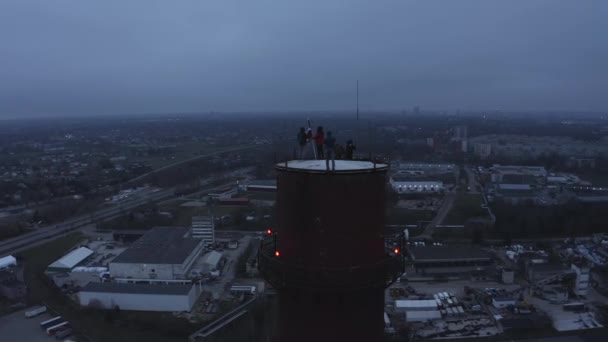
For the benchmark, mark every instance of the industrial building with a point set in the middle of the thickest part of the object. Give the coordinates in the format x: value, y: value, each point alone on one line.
x: 67, y: 262
x: 203, y: 228
x: 402, y: 184
x: 326, y: 256
x: 449, y: 260
x: 420, y: 177
x: 162, y: 253
x: 517, y: 174
x: 140, y: 297
x: 423, y: 167
x: 418, y: 310
x: 515, y: 194
x: 415, y: 305
x: 422, y: 316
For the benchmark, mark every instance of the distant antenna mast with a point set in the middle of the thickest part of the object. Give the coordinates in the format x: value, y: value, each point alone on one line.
x: 357, y: 100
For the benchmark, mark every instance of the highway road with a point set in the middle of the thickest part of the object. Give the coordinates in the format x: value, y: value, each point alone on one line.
x: 25, y: 241
x: 473, y: 184
x: 18, y: 243
x: 441, y: 214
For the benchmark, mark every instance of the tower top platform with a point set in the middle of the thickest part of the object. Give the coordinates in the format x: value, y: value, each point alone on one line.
x: 342, y: 166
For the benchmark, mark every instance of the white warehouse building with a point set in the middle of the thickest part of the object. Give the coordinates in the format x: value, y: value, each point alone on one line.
x: 419, y: 310
x: 211, y: 261
x: 67, y: 262
x: 163, y: 253
x: 139, y: 297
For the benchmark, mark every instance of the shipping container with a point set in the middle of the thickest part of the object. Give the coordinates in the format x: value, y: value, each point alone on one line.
x: 35, y: 311
x: 63, y: 333
x: 51, y: 322
x: 55, y: 328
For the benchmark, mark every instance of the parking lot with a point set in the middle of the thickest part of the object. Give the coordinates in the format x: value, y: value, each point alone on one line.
x: 16, y: 328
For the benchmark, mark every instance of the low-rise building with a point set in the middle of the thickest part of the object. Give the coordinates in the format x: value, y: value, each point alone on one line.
x: 517, y: 174
x: 422, y: 316
x: 140, y: 297
x: 415, y: 305
x: 7, y: 261
x: 405, y: 185
x: 449, y: 260
x: 211, y: 261
x: 67, y: 262
x: 418, y: 310
x: 502, y: 302
x: 162, y: 253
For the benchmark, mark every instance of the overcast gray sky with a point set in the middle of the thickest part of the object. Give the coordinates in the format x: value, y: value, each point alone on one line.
x: 134, y: 56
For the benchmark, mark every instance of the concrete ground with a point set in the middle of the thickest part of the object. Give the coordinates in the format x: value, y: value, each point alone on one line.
x: 16, y: 328
x: 566, y: 320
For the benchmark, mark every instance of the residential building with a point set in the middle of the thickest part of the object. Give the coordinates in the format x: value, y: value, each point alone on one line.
x: 502, y: 302
x: 211, y: 261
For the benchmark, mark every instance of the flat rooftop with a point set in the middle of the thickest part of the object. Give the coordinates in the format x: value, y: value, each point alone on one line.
x: 176, y: 289
x: 342, y: 166
x: 161, y: 245
x: 448, y: 253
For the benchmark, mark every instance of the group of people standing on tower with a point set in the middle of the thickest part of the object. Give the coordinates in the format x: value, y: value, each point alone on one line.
x: 325, y: 146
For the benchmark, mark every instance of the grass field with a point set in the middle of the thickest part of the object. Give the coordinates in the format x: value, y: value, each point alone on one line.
x: 465, y: 206
x: 95, y: 325
x: 407, y: 216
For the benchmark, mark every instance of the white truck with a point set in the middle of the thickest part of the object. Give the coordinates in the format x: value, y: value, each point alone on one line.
x: 33, y: 312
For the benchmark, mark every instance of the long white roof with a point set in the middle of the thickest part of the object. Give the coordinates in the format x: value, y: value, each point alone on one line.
x: 410, y: 304
x: 341, y: 165
x: 212, y: 258
x: 7, y: 261
x: 72, y: 259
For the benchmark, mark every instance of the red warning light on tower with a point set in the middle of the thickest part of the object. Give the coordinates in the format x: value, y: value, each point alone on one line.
x: 268, y: 231
x: 276, y: 253
x: 396, y: 250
